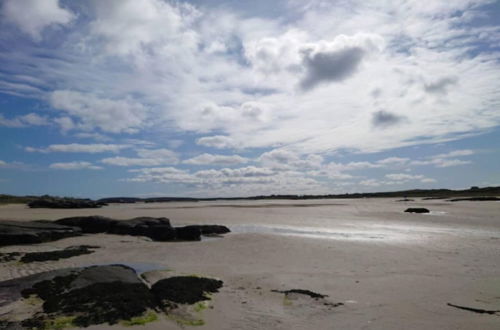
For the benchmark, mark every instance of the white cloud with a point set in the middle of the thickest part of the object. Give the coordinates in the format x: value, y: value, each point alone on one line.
x: 33, y: 16
x: 31, y: 119
x: 147, y: 157
x: 219, y: 142
x: 82, y: 148
x: 446, y: 160
x: 128, y: 26
x: 74, y: 166
x: 113, y: 116
x: 210, y: 159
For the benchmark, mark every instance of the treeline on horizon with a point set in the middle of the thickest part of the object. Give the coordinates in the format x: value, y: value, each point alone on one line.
x: 431, y: 193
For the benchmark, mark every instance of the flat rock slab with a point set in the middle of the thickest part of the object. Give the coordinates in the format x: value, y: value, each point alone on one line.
x: 417, y: 210
x: 69, y: 252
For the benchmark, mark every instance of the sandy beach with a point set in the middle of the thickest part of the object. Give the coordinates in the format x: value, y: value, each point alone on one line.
x: 390, y: 269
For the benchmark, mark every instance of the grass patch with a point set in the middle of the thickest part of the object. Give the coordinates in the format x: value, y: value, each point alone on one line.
x: 59, y: 323
x: 186, y: 322
x: 141, y: 320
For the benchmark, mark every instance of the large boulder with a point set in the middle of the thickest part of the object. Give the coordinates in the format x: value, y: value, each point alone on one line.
x: 188, y: 233
x: 31, y: 232
x: 89, y: 224
x: 141, y: 226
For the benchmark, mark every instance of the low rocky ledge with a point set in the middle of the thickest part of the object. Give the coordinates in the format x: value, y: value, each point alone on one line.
x: 417, y: 210
x: 158, y: 229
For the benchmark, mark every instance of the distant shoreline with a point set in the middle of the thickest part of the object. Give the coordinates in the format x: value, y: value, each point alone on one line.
x: 422, y: 193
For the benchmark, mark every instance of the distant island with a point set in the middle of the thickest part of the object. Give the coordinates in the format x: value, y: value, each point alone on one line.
x: 473, y: 193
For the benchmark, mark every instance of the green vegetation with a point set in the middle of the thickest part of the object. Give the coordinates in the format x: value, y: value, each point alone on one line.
x: 59, y: 323
x: 141, y: 320
x: 186, y: 322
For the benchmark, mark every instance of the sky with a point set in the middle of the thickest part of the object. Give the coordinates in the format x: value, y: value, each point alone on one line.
x: 239, y: 98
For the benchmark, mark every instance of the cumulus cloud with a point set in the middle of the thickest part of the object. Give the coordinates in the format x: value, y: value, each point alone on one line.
x: 113, y: 116
x: 210, y: 159
x: 82, y: 148
x: 33, y: 16
x: 31, y: 119
x: 74, y: 166
x: 337, y: 60
x: 126, y: 26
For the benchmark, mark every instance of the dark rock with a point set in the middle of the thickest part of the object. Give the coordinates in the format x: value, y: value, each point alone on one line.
x: 405, y: 200
x: 142, y: 226
x: 89, y: 224
x: 69, y: 252
x: 476, y: 199
x: 188, y: 233
x: 17, y: 232
x: 64, y: 203
x: 476, y: 310
x: 211, y: 229
x: 184, y: 289
x: 417, y: 210
x: 304, y: 292
x: 11, y: 256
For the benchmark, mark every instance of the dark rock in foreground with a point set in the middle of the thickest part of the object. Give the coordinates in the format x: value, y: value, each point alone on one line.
x: 64, y: 203
x: 476, y: 199
x: 17, y: 232
x: 184, y: 289
x: 99, y: 294
x: 68, y: 252
x: 417, y: 210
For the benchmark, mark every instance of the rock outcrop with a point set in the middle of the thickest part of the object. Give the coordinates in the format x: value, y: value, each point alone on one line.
x: 17, y: 232
x: 64, y: 203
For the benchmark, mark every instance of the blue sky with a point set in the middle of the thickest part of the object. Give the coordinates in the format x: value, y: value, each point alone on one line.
x: 239, y: 98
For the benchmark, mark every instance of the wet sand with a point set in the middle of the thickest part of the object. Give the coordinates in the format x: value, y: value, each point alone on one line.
x: 392, y: 270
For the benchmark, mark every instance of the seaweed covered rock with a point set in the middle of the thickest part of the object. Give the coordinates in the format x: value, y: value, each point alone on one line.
x: 184, y: 289
x: 96, y: 295
x: 69, y: 252
x: 93, y: 295
x: 417, y: 210
x: 17, y: 232
x: 64, y: 203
